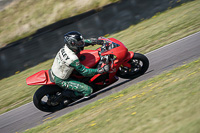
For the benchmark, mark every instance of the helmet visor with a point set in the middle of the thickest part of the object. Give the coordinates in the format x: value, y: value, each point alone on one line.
x: 80, y: 43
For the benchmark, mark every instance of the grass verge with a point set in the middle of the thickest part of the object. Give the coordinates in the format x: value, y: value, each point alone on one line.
x: 163, y: 28
x: 166, y: 103
x: 146, y: 36
x: 23, y: 18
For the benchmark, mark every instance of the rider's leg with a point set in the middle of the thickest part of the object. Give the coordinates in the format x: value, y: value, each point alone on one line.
x: 80, y: 89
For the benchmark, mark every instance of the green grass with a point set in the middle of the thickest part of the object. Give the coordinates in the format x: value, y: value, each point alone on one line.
x: 24, y: 17
x: 167, y: 103
x: 146, y: 36
x: 14, y: 91
x: 163, y: 28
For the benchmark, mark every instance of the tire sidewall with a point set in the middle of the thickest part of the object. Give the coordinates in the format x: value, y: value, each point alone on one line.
x: 144, y: 68
x: 41, y: 92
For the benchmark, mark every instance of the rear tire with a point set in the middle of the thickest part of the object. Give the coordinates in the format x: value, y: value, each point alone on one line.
x: 45, y: 92
x: 139, y: 65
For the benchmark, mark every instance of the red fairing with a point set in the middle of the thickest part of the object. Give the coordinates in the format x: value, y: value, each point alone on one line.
x: 39, y: 78
x: 117, y: 41
x: 129, y: 55
x: 120, y: 51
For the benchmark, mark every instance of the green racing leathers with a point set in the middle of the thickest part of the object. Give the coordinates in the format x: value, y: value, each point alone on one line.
x: 64, y: 63
x: 79, y: 88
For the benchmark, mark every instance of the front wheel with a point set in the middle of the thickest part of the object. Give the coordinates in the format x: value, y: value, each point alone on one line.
x: 139, y: 65
x: 45, y: 98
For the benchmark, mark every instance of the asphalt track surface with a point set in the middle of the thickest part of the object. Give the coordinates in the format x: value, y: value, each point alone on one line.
x: 163, y: 59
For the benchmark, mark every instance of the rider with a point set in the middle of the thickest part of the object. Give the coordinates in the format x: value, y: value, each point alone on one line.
x: 66, y: 61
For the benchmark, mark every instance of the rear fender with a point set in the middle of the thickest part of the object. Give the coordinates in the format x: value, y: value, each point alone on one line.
x: 40, y: 78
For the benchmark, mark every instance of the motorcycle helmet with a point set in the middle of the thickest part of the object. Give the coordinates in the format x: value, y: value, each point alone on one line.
x: 74, y: 41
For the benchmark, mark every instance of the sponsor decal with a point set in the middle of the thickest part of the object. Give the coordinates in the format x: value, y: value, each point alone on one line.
x: 64, y: 54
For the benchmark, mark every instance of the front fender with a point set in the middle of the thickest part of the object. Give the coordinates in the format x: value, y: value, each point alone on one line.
x: 129, y: 56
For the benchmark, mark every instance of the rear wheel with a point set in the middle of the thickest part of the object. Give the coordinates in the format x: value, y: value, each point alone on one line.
x: 139, y: 65
x: 46, y: 98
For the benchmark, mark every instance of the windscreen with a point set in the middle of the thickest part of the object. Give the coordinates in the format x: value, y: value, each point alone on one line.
x: 108, y: 46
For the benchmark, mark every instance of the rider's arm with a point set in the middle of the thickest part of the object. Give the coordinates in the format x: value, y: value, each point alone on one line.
x: 88, y: 72
x: 82, y: 69
x: 93, y: 41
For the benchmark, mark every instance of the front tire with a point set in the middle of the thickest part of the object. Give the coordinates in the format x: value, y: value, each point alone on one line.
x: 42, y: 96
x: 139, y: 65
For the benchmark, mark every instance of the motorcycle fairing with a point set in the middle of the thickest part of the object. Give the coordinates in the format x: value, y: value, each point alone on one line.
x: 40, y: 78
x: 120, y: 52
x: 123, y: 56
x: 129, y: 56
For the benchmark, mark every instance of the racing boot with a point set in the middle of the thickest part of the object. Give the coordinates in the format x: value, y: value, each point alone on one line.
x: 70, y: 95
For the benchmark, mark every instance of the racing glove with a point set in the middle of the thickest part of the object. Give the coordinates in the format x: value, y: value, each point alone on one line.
x: 96, y: 41
x: 103, y: 69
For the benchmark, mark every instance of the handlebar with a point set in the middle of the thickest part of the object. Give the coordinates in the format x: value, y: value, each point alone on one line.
x: 107, y: 59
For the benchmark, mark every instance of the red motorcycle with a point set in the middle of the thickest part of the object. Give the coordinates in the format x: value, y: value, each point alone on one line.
x: 123, y: 64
